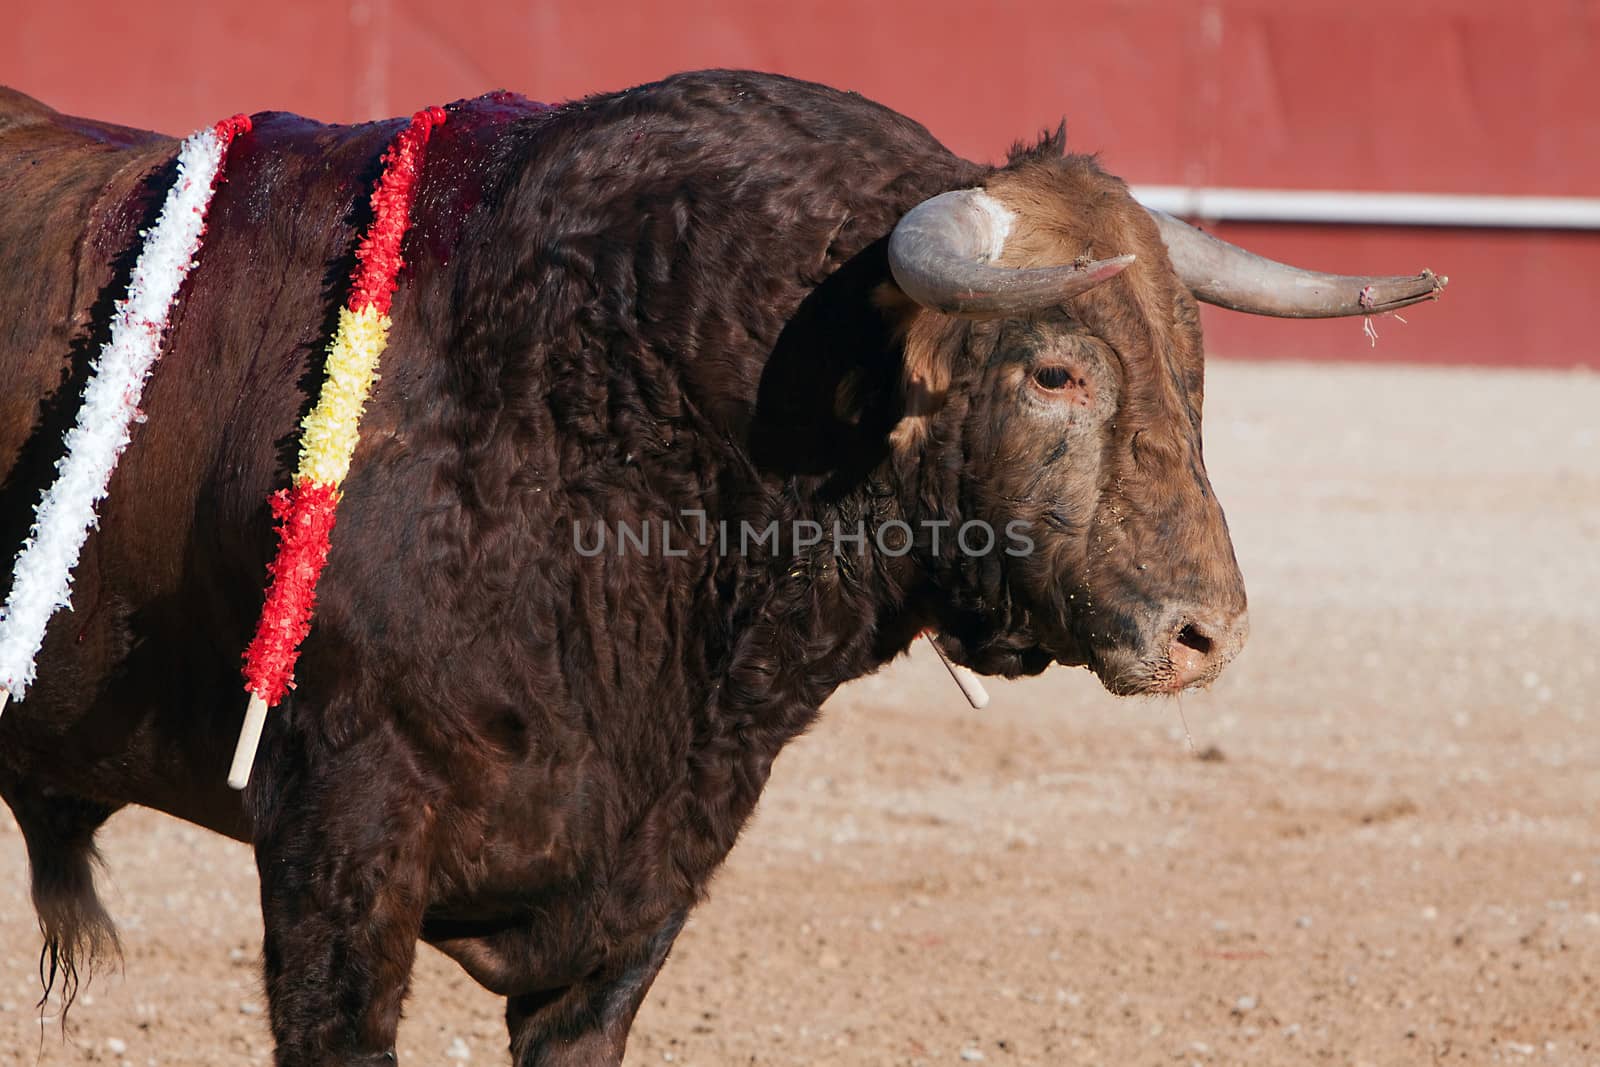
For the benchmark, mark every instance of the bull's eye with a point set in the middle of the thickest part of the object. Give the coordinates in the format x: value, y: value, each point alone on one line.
x: 1052, y: 378
x: 1063, y: 383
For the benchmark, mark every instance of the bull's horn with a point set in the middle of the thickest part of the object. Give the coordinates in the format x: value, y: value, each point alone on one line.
x: 940, y: 253
x: 1224, y: 274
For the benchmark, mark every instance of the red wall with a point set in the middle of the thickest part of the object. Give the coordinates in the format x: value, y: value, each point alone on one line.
x: 1458, y: 96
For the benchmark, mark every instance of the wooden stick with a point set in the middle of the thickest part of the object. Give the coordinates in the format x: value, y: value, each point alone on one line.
x: 5, y: 697
x: 244, y: 755
x: 971, y: 687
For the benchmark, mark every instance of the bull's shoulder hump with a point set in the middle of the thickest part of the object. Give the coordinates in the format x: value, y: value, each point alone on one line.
x: 26, y: 123
x: 19, y: 109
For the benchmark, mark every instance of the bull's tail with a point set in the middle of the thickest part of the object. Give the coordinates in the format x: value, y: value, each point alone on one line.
x: 78, y: 934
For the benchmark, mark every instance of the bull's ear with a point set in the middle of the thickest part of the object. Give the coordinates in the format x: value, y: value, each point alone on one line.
x: 929, y: 344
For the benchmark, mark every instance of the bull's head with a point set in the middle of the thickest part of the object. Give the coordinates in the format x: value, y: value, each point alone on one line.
x: 1051, y: 331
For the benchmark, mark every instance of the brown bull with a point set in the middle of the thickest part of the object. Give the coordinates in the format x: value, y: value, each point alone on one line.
x: 811, y: 383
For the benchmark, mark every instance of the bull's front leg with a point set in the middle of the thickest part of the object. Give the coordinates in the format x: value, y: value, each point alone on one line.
x: 343, y: 881
x: 586, y: 1024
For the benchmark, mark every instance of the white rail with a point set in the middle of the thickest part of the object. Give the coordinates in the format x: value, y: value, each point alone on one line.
x: 1384, y: 209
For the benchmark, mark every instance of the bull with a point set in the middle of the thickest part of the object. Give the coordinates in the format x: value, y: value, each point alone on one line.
x: 725, y: 298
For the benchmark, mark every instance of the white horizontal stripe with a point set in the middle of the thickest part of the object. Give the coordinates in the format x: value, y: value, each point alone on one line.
x: 1385, y: 209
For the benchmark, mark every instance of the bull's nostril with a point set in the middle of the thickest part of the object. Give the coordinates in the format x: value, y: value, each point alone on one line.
x: 1192, y: 638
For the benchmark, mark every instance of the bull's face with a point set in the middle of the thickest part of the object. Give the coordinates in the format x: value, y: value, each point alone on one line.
x: 1092, y: 447
x: 1054, y: 344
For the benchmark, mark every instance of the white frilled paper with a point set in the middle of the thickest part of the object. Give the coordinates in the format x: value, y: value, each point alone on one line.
x: 66, y: 512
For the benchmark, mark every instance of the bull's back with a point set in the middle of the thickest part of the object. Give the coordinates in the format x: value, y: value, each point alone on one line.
x: 68, y: 204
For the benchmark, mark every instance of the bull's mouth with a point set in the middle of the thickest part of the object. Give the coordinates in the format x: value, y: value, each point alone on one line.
x: 1156, y: 676
x: 1190, y: 655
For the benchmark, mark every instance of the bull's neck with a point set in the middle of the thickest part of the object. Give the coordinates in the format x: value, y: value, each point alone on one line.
x: 801, y: 621
x: 839, y: 604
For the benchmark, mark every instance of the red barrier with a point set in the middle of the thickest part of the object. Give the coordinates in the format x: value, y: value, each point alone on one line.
x: 1459, y: 96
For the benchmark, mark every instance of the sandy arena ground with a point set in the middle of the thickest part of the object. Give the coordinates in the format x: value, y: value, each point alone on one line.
x: 1383, y: 848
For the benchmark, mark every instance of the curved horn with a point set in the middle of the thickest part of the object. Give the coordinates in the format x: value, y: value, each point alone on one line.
x: 941, y: 250
x: 1225, y: 274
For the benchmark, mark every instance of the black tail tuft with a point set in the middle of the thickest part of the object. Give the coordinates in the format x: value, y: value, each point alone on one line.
x: 78, y: 934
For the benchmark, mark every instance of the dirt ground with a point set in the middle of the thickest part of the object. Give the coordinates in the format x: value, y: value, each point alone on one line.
x: 1383, y: 846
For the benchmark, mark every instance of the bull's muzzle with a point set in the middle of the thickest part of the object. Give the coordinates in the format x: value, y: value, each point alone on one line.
x: 1201, y: 644
x: 1183, y: 649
